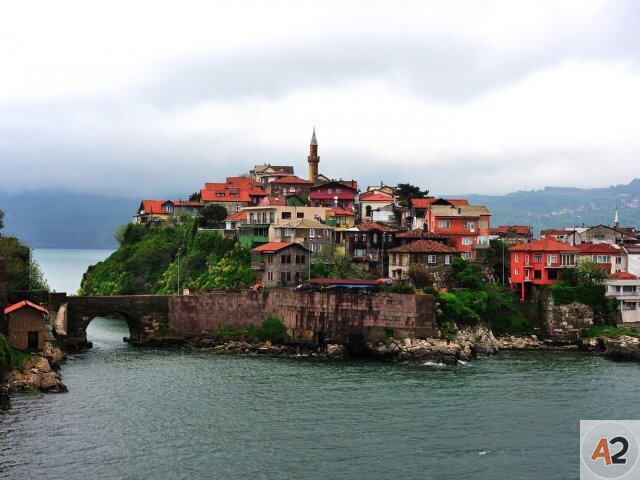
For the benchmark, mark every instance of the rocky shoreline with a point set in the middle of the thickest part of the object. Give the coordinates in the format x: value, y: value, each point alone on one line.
x: 621, y: 349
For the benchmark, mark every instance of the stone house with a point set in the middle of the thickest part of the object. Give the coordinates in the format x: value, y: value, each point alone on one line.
x: 511, y: 234
x: 25, y: 323
x: 368, y: 243
x: 312, y: 234
x: 290, y: 185
x: 281, y: 264
x: 435, y: 256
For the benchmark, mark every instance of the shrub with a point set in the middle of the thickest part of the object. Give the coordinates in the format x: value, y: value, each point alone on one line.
x: 272, y: 329
x: 399, y: 288
x: 609, y: 331
x: 452, y: 309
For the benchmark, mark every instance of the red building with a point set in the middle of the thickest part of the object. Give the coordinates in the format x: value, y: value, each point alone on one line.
x: 466, y: 226
x: 539, y: 263
x: 328, y: 194
x: 25, y: 325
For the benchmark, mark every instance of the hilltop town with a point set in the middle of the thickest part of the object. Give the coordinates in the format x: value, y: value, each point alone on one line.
x: 394, y: 232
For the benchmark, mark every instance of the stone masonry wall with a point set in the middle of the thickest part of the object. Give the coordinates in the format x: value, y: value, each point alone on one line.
x: 564, y: 322
x: 306, y: 314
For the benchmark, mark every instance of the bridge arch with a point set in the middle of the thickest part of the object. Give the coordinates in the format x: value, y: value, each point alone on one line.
x: 143, y: 315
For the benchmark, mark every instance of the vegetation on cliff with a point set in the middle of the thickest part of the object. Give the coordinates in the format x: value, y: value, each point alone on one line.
x: 609, y: 331
x: 22, y: 271
x: 150, y: 261
x: 475, y: 301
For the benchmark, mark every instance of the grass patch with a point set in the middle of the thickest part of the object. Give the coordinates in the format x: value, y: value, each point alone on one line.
x: 609, y: 331
x: 19, y: 359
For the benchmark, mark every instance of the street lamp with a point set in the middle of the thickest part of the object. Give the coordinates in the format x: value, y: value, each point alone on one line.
x: 503, y: 263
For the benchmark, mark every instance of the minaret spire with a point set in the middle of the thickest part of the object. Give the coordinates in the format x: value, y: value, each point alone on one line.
x: 313, y: 158
x: 616, y: 219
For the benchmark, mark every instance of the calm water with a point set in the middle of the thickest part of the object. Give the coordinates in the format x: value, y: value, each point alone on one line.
x: 63, y: 269
x: 138, y: 413
x: 142, y: 413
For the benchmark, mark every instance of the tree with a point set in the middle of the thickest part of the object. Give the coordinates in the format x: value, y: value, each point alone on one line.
x: 1, y: 217
x: 589, y: 273
x: 406, y: 191
x: 195, y: 197
x: 328, y: 262
x: 212, y: 215
x: 420, y: 276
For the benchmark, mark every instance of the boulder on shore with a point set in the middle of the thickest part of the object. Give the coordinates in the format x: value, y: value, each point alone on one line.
x: 38, y: 374
x: 622, y: 348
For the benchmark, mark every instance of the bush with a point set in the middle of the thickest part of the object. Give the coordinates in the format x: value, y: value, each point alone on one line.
x: 451, y: 309
x: 272, y: 329
x: 609, y: 331
x: 5, y: 358
x: 399, y: 288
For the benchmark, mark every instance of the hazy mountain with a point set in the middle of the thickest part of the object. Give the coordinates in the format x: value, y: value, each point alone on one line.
x: 71, y: 220
x: 557, y: 207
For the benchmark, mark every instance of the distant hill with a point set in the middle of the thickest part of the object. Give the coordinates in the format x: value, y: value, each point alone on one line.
x: 557, y: 207
x: 71, y: 220
x: 65, y: 220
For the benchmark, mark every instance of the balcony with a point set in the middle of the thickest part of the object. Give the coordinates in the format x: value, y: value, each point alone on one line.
x: 257, y: 265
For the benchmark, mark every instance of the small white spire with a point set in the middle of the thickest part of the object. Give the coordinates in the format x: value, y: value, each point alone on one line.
x: 313, y: 137
x: 616, y: 220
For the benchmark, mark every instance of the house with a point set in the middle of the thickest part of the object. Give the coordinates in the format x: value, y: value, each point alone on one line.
x: 233, y: 221
x: 539, y: 263
x: 625, y: 288
x: 435, y: 256
x: 341, y: 220
x: 335, y: 193
x: 179, y: 208
x: 466, y: 226
x: 416, y: 215
x: 511, y: 234
x: 410, y: 236
x: 382, y: 188
x: 151, y: 211
x: 289, y: 185
x: 633, y: 258
x: 281, y: 264
x: 368, y: 244
x: 312, y: 234
x: 234, y: 194
x: 377, y: 207
x: 264, y: 174
x: 570, y: 236
x: 604, y: 234
x: 25, y: 324
x: 611, y: 257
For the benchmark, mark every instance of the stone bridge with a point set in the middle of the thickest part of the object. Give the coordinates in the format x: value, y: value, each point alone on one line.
x: 310, y: 317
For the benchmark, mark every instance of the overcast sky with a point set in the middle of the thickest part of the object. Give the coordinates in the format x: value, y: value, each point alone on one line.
x: 147, y: 99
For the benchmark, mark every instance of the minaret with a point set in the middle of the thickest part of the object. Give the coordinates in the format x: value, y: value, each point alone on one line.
x: 616, y: 220
x: 313, y: 158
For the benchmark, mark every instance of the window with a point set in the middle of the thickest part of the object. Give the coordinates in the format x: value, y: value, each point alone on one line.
x: 282, y: 278
x: 375, y: 238
x: 288, y: 276
x: 483, y: 223
x: 469, y: 225
x: 537, y: 258
x: 628, y: 288
x: 444, y: 224
x: 552, y: 258
x: 237, y: 208
x: 338, y: 190
x: 467, y: 241
x: 516, y: 271
x: 286, y: 215
x: 526, y: 259
x: 300, y: 215
x: 272, y: 217
x: 629, y: 305
x: 270, y: 276
x: 220, y: 194
x: 329, y: 190
x: 252, y: 218
x: 516, y: 258
x: 359, y: 252
x: 618, y: 260
x: 288, y: 232
x: 312, y: 232
x: 312, y: 247
x: 466, y: 255
x: 326, y: 233
x: 233, y: 194
x: 447, y: 259
x: 431, y: 259
x: 602, y: 258
x: 270, y: 259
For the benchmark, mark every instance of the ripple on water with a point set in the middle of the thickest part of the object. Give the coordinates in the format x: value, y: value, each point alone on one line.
x: 143, y: 413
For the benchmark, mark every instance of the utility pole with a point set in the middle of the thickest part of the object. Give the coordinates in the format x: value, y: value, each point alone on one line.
x: 503, y: 263
x: 179, y: 271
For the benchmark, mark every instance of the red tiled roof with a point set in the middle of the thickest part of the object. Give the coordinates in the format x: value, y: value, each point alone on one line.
x: 544, y: 245
x: 519, y: 229
x: 555, y: 231
x: 424, y: 246
x: 425, y: 202
x: 273, y: 202
x: 293, y: 180
x: 275, y: 247
x: 589, y: 248
x: 376, y: 197
x: 623, y: 276
x: 245, y: 188
x: 24, y: 303
x: 337, y: 211
x: 367, y: 226
x: 242, y: 215
x: 153, y: 206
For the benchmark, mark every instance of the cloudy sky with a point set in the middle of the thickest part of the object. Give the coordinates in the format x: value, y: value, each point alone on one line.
x: 146, y: 99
